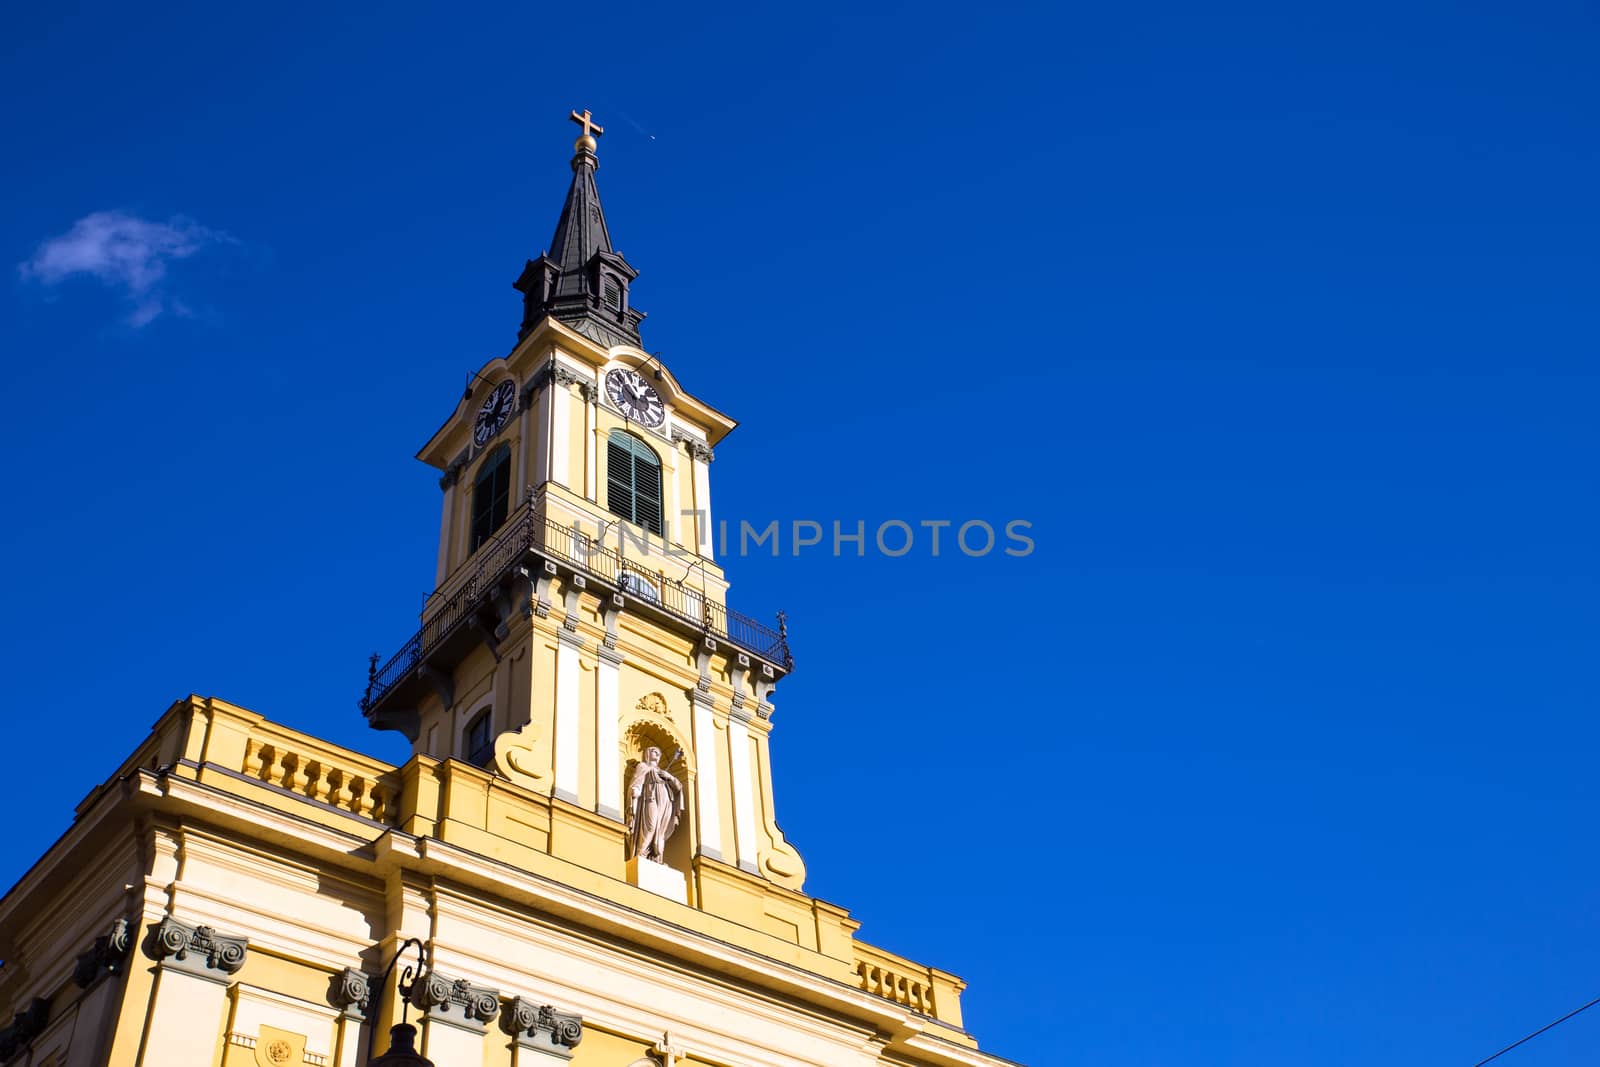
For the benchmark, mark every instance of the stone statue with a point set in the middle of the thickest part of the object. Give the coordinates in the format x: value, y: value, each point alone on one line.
x: 655, y: 803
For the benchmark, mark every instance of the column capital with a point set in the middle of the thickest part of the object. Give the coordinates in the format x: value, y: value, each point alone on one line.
x: 196, y: 950
x: 542, y: 1027
x: 106, y: 955
x: 455, y: 1001
x: 351, y: 992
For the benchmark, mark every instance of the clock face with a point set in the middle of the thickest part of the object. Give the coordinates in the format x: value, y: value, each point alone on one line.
x: 635, y: 397
x: 494, y: 413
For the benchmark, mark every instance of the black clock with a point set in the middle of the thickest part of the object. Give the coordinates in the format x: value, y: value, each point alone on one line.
x: 635, y: 397
x: 495, y: 411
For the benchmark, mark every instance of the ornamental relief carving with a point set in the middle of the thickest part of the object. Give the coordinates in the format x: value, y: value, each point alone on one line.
x: 456, y: 998
x: 198, y: 949
x: 106, y: 955
x: 542, y: 1025
x: 350, y: 992
x: 522, y: 758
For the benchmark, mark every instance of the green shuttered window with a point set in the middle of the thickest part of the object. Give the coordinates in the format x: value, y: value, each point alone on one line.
x: 491, y: 495
x: 633, y: 481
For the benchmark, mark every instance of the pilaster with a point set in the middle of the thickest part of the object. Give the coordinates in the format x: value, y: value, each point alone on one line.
x: 457, y: 1013
x: 608, y: 762
x: 707, y: 793
x: 568, y: 644
x: 189, y: 1006
x: 744, y: 788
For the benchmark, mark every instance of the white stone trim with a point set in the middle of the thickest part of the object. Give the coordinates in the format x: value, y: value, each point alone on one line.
x: 744, y: 793
x: 707, y: 802
x: 607, y: 745
x: 643, y: 994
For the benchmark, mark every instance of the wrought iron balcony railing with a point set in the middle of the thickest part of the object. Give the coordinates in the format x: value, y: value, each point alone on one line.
x: 529, y: 532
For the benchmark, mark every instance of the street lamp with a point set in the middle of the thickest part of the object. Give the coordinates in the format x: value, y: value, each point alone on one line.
x: 402, y: 1049
x: 402, y: 1036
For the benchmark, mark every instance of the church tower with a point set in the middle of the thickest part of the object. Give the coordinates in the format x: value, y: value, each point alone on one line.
x: 580, y: 619
x: 579, y: 864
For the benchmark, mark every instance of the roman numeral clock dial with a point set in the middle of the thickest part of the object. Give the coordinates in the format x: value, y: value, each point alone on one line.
x: 635, y: 397
x: 495, y: 411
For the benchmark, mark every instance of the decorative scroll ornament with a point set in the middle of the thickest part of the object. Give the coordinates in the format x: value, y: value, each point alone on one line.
x: 106, y: 955
x: 521, y: 757
x: 199, y: 948
x: 448, y: 998
x: 697, y: 448
x: 543, y: 1025
x: 352, y: 990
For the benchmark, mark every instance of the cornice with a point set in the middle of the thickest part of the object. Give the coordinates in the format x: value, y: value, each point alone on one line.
x: 681, y: 944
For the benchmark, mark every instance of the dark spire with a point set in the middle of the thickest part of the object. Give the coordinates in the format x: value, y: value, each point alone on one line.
x: 581, y: 281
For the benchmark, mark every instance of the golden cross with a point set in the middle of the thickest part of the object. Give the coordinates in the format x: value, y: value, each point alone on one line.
x: 590, y: 128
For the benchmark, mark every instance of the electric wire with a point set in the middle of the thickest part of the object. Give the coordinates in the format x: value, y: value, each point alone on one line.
x: 1536, y: 1033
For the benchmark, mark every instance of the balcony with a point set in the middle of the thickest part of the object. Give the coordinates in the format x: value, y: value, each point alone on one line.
x: 527, y: 541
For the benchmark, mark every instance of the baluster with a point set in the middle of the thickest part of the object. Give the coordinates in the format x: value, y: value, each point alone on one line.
x: 300, y: 780
x: 362, y: 788
x: 253, y: 757
x: 319, y: 782
x: 338, y: 788
x: 278, y: 769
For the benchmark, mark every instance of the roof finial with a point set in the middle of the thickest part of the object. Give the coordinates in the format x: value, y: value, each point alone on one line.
x: 591, y: 130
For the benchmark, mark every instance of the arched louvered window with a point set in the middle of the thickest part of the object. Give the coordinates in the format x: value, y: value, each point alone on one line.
x: 633, y: 480
x: 479, y: 745
x: 491, y: 495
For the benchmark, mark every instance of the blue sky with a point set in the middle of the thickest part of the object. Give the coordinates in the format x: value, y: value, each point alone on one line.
x: 1278, y: 324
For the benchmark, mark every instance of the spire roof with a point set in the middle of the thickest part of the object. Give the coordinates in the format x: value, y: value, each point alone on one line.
x: 581, y: 280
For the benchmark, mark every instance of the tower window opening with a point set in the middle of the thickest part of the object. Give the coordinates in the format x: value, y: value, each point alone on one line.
x: 480, y: 740
x: 633, y: 481
x: 491, y: 496
x: 613, y: 295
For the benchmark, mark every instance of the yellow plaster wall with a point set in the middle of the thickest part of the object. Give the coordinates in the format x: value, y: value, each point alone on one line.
x: 602, y: 1049
x: 311, y: 905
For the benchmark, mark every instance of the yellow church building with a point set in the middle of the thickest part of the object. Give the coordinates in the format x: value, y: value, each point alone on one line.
x: 581, y: 861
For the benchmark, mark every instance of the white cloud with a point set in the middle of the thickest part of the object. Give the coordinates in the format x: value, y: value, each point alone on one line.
x: 126, y: 253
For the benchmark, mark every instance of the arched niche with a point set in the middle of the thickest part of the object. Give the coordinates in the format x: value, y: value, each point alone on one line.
x: 646, y: 729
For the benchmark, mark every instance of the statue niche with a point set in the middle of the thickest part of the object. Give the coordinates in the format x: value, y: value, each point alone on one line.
x: 655, y: 800
x: 655, y: 807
